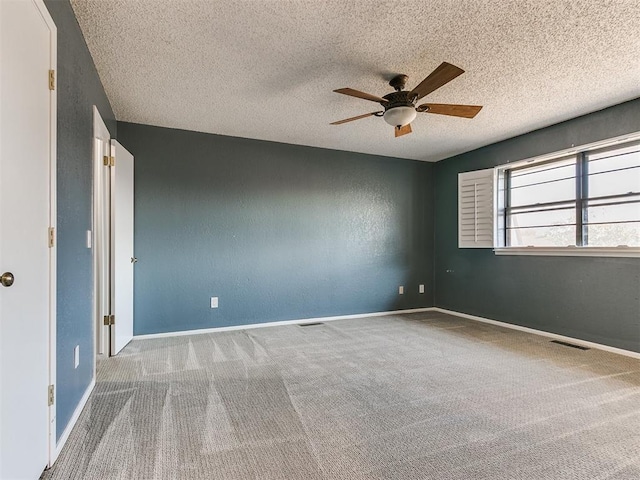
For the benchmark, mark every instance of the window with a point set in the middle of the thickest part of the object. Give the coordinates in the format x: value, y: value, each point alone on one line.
x: 540, y: 207
x: 580, y: 202
x: 612, y: 209
x: 589, y: 199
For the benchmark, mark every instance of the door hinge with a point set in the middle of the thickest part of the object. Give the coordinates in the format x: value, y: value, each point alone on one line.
x: 50, y: 395
x: 109, y: 161
x: 109, y: 319
x: 52, y: 79
x: 52, y: 237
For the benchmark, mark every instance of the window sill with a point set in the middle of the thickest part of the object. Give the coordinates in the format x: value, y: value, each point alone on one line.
x: 570, y: 251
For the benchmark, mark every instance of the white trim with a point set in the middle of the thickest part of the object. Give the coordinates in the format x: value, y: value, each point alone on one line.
x: 53, y: 289
x: 577, y: 341
x: 629, y: 137
x: 628, y: 252
x: 279, y: 323
x: 100, y: 251
x: 555, y: 336
x: 74, y: 419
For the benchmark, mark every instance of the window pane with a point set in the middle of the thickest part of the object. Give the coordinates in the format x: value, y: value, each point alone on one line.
x: 614, y: 183
x: 536, y: 186
x: 613, y: 213
x: 543, y: 173
x: 555, y: 191
x: 601, y: 233
x: 615, y: 160
x: 613, y: 235
x: 614, y: 171
x: 543, y: 218
x: 542, y: 237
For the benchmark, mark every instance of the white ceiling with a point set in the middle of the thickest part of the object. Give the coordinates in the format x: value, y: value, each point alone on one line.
x: 266, y: 69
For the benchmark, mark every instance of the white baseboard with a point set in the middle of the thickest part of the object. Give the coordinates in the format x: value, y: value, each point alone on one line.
x: 555, y: 336
x: 576, y: 341
x: 280, y: 323
x: 72, y: 421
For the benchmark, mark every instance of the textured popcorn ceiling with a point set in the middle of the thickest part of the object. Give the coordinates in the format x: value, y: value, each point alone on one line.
x: 266, y: 69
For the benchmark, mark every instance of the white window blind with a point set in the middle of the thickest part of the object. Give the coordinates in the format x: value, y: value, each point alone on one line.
x: 476, y: 209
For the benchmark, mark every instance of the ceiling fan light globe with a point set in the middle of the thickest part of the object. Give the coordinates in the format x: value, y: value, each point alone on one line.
x: 400, y: 116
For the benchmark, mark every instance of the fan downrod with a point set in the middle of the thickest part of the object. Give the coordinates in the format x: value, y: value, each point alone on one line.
x: 398, y: 82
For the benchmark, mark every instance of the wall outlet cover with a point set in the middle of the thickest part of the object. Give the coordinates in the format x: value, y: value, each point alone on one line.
x: 421, y: 289
x: 214, y: 302
x: 400, y: 290
x: 76, y: 356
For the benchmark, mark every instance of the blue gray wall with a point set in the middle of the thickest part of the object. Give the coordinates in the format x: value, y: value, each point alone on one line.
x: 276, y: 231
x: 282, y: 232
x: 594, y: 299
x: 78, y: 89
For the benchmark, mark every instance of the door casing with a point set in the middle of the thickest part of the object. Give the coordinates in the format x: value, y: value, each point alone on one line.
x: 100, y: 233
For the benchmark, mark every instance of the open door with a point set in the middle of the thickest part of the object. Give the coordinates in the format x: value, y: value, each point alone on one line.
x: 122, y: 256
x: 27, y: 238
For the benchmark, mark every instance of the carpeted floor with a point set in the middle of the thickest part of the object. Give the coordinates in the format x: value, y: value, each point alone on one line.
x: 421, y: 396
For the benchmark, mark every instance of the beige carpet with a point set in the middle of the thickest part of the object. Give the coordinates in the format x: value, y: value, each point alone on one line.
x: 421, y: 396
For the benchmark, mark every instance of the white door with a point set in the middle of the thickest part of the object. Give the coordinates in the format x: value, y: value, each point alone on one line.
x: 122, y: 256
x: 27, y: 47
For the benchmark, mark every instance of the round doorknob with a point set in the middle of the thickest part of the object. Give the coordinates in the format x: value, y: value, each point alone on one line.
x: 7, y: 279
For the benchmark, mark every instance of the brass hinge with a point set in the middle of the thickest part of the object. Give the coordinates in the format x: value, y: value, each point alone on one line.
x: 52, y: 237
x: 50, y: 395
x: 52, y: 79
x: 109, y: 319
x: 108, y: 161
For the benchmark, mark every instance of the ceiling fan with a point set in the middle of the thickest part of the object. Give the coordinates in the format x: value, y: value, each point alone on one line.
x: 400, y: 106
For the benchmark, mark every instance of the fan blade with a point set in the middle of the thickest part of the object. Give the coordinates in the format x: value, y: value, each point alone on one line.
x: 403, y: 130
x: 340, y: 122
x: 439, y: 77
x: 356, y: 93
x: 466, y: 111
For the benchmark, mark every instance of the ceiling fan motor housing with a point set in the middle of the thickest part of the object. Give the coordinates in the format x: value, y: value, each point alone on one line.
x: 399, y: 109
x: 399, y: 81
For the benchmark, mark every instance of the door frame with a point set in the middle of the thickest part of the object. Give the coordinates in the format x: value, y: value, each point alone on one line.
x: 53, y: 212
x: 100, y: 214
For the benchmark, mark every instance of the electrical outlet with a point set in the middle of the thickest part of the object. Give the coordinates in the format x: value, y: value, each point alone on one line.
x: 421, y: 289
x: 76, y: 356
x: 214, y: 302
x: 400, y: 290
x: 89, y: 239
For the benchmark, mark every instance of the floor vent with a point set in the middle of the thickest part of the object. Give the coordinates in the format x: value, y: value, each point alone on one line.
x: 311, y: 324
x: 579, y: 347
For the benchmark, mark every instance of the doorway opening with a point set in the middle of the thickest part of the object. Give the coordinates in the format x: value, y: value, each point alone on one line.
x: 113, y: 256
